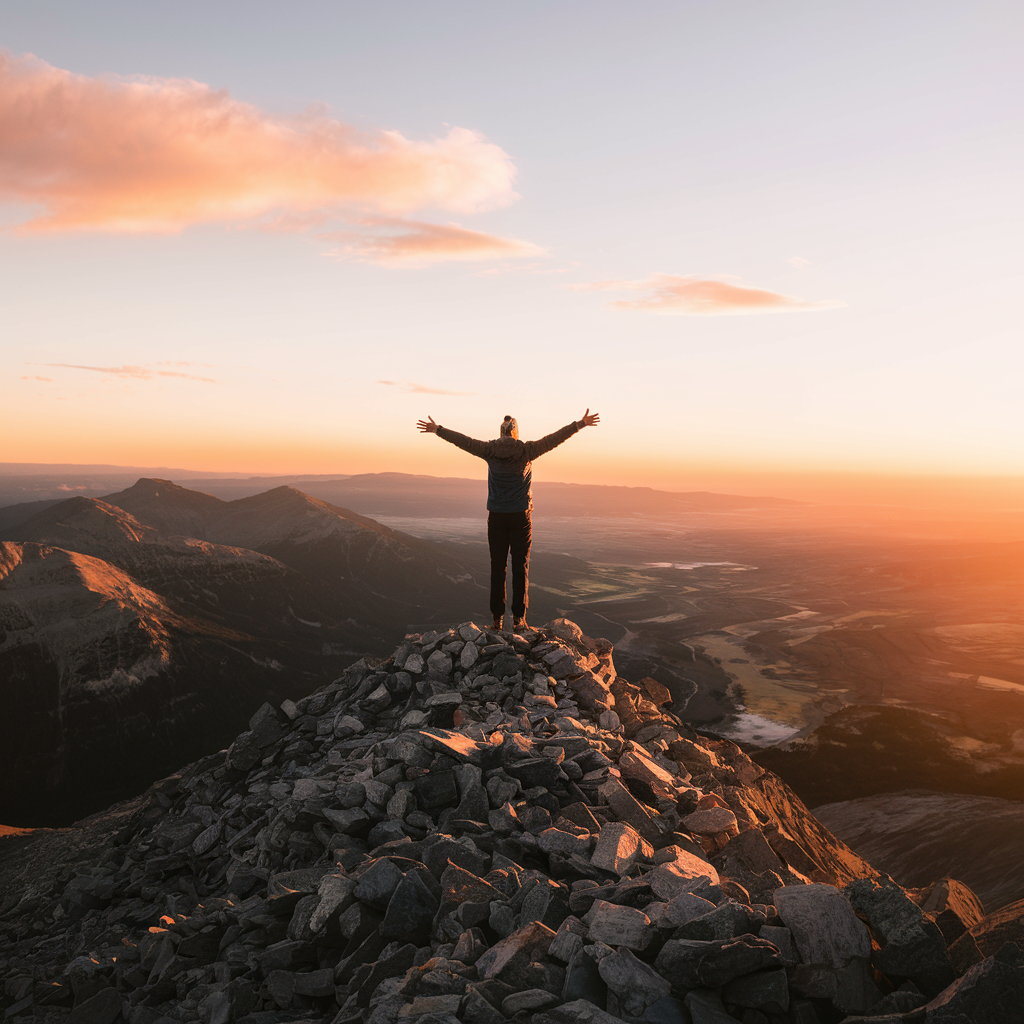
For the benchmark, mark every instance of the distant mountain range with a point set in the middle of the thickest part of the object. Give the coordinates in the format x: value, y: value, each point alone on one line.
x: 376, y: 494
x: 404, y: 494
x: 143, y: 627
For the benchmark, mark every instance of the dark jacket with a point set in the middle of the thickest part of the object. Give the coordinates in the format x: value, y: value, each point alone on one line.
x: 509, y: 464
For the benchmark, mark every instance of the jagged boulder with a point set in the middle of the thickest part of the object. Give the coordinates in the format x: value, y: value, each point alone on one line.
x: 911, y: 947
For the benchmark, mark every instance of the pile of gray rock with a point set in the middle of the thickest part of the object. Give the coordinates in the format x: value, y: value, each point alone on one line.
x: 490, y: 827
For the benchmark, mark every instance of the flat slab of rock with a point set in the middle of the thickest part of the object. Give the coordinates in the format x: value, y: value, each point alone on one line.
x: 553, y: 840
x: 453, y: 744
x: 681, y: 910
x: 636, y: 984
x: 440, y: 1008
x: 579, y: 1011
x: 347, y: 821
x: 709, y: 821
x: 528, y: 943
x: 825, y: 928
x: 618, y: 847
x: 641, y: 766
x: 725, y: 921
x: 529, y: 999
x: 689, y: 964
x: 667, y: 881
x: 618, y: 926
x: 627, y: 808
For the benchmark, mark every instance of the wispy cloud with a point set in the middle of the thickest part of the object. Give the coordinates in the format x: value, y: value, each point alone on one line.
x: 799, y: 262
x: 45, y: 380
x: 417, y: 243
x: 410, y: 387
x: 138, y: 372
x: 156, y: 154
x: 695, y: 296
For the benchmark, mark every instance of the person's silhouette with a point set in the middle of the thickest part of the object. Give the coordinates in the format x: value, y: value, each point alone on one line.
x: 509, y: 502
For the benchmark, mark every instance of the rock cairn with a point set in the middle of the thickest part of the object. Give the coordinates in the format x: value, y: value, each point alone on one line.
x: 490, y: 827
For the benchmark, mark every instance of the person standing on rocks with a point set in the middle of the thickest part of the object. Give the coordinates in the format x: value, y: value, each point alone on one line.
x: 509, y: 502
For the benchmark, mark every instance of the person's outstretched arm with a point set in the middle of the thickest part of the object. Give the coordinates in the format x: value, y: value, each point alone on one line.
x: 535, y: 449
x: 482, y: 449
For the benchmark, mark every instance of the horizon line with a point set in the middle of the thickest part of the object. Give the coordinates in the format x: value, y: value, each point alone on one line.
x: 7, y: 467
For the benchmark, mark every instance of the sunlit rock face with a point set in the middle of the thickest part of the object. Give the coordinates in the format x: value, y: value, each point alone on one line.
x: 483, y: 826
x: 136, y: 637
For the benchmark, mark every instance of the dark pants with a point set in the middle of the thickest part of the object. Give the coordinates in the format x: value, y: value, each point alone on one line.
x: 509, y: 532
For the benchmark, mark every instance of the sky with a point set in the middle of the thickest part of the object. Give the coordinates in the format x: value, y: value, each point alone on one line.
x: 756, y: 238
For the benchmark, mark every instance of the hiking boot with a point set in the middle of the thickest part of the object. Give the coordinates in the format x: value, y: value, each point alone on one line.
x: 497, y: 622
x: 520, y: 625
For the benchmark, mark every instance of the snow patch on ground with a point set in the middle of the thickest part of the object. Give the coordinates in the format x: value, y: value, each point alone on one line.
x: 305, y: 622
x: 122, y: 679
x: 748, y: 728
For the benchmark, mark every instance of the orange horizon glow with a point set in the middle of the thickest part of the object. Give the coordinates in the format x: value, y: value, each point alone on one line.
x: 811, y: 483
x: 598, y: 455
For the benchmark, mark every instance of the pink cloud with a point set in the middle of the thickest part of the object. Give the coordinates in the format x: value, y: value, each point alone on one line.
x: 45, y: 380
x: 694, y: 296
x: 138, y: 372
x: 419, y: 243
x: 157, y: 154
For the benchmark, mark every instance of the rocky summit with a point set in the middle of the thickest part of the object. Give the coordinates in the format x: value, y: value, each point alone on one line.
x: 485, y: 827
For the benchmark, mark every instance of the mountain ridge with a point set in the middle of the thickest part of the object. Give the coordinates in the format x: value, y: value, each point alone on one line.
x: 300, y: 589
x: 392, y: 492
x: 486, y: 825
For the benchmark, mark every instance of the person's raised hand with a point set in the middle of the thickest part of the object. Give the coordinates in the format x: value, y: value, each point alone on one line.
x: 590, y: 419
x: 427, y: 426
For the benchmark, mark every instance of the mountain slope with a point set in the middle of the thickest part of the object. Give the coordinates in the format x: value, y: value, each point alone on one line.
x: 240, y: 586
x: 919, y: 835
x: 12, y: 516
x: 84, y: 524
x: 151, y: 622
x: 171, y: 510
x: 104, y: 685
x: 313, y: 536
